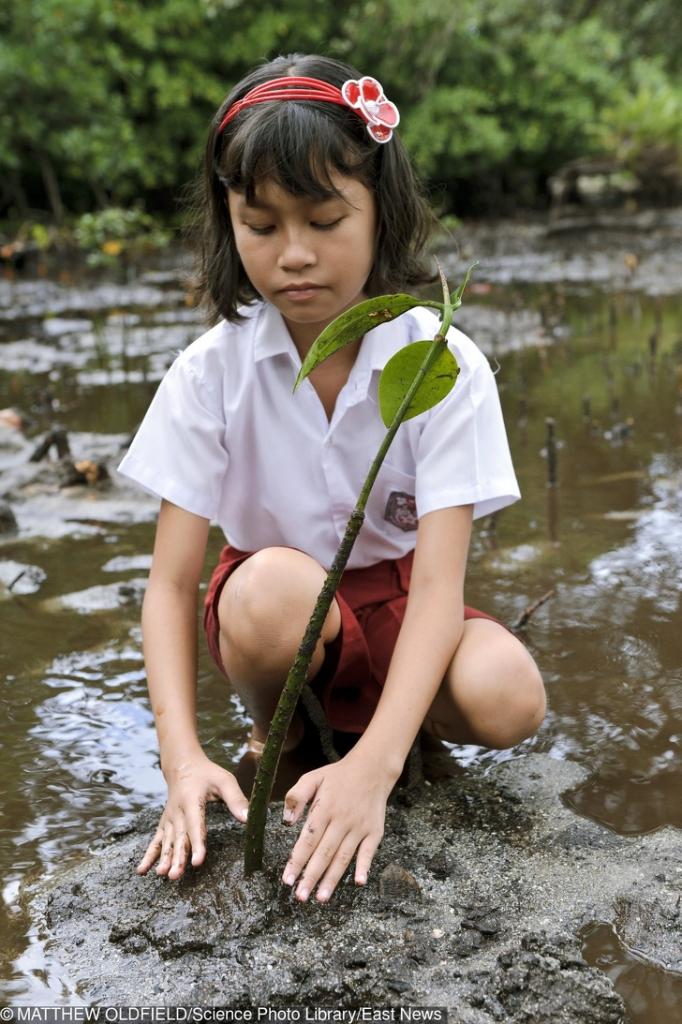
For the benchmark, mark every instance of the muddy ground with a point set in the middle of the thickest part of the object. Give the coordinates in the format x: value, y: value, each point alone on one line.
x: 475, y: 902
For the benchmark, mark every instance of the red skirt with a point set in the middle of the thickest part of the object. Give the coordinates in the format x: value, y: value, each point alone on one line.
x: 372, y: 602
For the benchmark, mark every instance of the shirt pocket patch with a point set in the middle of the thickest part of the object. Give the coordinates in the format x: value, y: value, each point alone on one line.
x: 401, y: 510
x: 399, y: 506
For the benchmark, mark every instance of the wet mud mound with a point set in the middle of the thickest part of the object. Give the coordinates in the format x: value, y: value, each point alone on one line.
x: 475, y: 902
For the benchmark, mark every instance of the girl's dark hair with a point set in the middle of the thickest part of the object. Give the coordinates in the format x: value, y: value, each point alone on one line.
x: 298, y: 144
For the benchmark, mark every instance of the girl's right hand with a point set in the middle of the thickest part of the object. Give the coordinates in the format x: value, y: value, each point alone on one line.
x: 182, y: 827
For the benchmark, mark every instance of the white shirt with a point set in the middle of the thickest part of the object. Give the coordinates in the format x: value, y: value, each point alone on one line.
x: 226, y: 438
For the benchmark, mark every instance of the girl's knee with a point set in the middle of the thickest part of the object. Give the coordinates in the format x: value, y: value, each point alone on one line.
x: 513, y: 707
x: 267, y: 601
x: 496, y: 687
x: 528, y: 705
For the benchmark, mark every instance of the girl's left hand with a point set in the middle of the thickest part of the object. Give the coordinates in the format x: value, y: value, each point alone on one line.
x: 347, y: 815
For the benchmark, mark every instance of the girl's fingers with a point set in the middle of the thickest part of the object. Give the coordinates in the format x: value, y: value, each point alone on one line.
x: 299, y: 795
x: 183, y: 824
x: 232, y: 796
x: 152, y: 853
x: 196, y: 828
x: 368, y: 847
x: 316, y: 847
x: 334, y: 873
x: 180, y: 851
x: 163, y: 867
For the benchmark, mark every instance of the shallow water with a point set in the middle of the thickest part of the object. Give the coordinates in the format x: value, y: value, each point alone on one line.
x: 649, y: 992
x: 79, y: 753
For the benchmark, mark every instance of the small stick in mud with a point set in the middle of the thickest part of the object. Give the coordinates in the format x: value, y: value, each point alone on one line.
x: 85, y: 471
x: 57, y: 437
x: 587, y: 408
x: 553, y: 514
x: 550, y: 448
x: 16, y: 579
x: 530, y: 610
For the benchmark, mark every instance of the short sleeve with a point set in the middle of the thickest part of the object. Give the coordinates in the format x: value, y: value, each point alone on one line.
x: 463, y: 454
x: 179, y: 452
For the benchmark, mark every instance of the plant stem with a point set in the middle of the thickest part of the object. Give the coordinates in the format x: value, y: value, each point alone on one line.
x: 267, y: 769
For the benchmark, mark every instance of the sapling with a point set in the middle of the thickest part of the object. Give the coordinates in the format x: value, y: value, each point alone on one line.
x: 415, y: 379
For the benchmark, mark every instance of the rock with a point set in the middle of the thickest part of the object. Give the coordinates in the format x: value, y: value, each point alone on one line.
x: 484, y: 921
x: 85, y: 471
x: 466, y: 944
x: 19, y: 578
x: 11, y: 419
x: 100, y: 598
x: 126, y: 563
x: 396, y: 883
x: 441, y: 865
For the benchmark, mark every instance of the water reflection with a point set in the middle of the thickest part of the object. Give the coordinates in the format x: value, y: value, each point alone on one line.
x: 631, y: 805
x: 651, y: 994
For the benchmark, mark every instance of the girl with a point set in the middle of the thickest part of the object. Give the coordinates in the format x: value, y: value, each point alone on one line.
x: 308, y: 205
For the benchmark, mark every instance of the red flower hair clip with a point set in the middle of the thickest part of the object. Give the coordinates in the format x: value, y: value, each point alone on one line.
x: 367, y: 97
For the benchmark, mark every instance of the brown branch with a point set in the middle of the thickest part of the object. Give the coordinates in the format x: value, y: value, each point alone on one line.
x: 57, y: 437
x: 525, y: 615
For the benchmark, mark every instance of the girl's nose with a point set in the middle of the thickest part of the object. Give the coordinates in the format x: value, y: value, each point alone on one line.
x: 296, y: 253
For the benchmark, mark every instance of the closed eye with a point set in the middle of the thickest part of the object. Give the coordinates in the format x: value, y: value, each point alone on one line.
x: 318, y: 225
x: 328, y: 225
x: 259, y: 231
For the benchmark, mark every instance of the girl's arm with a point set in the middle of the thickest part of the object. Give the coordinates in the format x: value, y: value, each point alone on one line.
x: 169, y: 628
x: 429, y: 636
x: 169, y: 631
x: 349, y: 797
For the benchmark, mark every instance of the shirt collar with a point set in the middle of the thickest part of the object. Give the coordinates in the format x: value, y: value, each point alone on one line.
x: 273, y: 339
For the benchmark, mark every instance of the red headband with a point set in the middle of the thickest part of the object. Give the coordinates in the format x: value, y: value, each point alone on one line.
x: 365, y: 96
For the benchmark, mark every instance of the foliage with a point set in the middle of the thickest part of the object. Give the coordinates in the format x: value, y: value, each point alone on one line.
x: 106, y: 102
x: 112, y: 232
x: 643, y: 128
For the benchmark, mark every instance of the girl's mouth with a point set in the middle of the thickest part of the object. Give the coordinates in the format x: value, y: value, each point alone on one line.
x: 301, y: 294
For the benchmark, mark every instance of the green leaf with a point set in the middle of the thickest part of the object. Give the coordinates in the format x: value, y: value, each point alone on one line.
x: 457, y: 298
x: 399, y: 373
x: 355, y: 323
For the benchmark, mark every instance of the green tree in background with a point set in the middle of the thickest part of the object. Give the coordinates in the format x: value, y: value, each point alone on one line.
x: 106, y: 102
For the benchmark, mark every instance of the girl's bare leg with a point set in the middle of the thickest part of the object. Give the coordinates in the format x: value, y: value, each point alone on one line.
x: 492, y: 694
x: 263, y: 611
